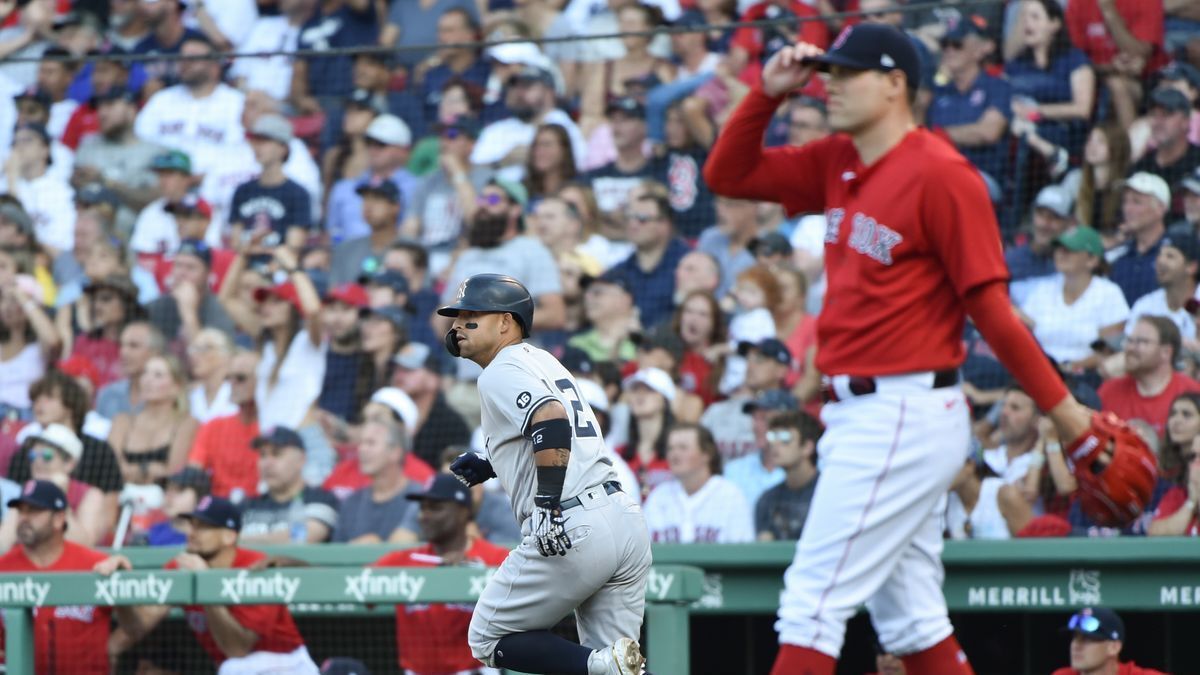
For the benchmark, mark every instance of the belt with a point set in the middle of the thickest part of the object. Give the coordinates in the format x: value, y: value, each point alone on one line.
x: 861, y: 386
x: 609, y: 488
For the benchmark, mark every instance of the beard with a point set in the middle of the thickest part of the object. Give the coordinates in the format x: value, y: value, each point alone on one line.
x: 525, y: 113
x: 487, y: 229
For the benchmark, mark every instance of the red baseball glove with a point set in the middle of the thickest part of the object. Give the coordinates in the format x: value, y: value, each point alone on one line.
x: 1115, y: 469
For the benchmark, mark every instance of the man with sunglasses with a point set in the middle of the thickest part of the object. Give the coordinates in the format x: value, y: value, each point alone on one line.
x: 911, y: 250
x: 1097, y: 637
x: 781, y: 511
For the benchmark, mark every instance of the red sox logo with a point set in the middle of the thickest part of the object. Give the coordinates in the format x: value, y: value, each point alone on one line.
x: 841, y: 38
x: 204, y: 504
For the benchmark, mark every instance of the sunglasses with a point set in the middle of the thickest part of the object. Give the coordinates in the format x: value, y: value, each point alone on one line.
x: 780, y: 436
x: 240, y: 378
x: 952, y: 44
x: 490, y: 200
x: 1084, y: 623
x: 451, y: 133
x: 643, y: 219
x: 45, y: 454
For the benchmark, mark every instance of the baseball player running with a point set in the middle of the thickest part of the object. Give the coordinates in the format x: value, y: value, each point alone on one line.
x: 585, y: 545
x: 911, y: 248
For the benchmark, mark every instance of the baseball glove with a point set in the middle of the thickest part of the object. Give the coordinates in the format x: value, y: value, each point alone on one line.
x: 1115, y: 469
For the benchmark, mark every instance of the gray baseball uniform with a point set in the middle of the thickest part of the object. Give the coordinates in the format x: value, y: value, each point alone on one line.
x: 603, y: 576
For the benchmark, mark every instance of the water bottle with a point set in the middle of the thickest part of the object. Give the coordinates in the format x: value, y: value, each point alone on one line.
x: 296, y: 529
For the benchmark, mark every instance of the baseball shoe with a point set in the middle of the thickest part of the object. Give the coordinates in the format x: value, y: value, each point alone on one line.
x: 623, y: 657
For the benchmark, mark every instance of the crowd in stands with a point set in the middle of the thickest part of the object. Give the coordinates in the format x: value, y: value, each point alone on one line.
x: 218, y: 275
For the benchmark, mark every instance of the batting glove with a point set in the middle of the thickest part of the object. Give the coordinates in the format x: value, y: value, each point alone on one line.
x: 549, y: 531
x: 471, y: 469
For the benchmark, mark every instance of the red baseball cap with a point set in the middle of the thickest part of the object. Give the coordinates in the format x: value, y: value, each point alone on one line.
x: 286, y: 291
x: 349, y: 293
x: 81, y: 366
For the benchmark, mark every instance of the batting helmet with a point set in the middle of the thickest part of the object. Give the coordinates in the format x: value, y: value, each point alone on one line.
x: 493, y: 293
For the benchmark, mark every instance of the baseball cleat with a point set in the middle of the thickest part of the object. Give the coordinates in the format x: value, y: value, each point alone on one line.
x: 623, y: 657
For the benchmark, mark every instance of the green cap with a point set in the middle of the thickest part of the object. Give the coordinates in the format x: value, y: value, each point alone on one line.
x: 516, y: 191
x: 1082, y: 238
x: 173, y: 160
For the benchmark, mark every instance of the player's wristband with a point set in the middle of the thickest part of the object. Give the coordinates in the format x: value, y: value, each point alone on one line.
x: 550, y: 481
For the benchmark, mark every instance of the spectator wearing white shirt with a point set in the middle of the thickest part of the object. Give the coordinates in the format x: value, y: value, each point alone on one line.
x: 1077, y: 306
x: 46, y: 196
x: 227, y: 23
x: 504, y: 144
x: 208, y: 356
x: 1176, y: 268
x: 698, y: 505
x: 33, y: 107
x: 272, y: 74
x: 155, y: 232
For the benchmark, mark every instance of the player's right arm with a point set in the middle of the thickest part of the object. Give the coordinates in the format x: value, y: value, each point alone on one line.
x: 739, y: 167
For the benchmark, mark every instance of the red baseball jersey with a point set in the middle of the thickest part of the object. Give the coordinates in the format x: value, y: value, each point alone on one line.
x: 432, y: 638
x: 1122, y: 669
x: 68, y: 639
x: 272, y: 624
x: 905, y: 240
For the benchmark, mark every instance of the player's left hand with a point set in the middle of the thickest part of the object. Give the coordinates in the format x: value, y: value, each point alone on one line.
x: 472, y: 469
x: 549, y: 527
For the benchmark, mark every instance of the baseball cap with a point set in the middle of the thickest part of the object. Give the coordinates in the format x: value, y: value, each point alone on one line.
x: 1054, y: 198
x: 191, y: 203
x: 872, y: 46
x: 771, y: 243
x: 771, y: 348
x: 515, y: 191
x: 593, y: 393
x: 343, y: 666
x: 692, y: 18
x: 394, y: 315
x: 116, y: 282
x: 273, y: 127
x: 172, y: 160
x: 1192, y: 182
x: 350, y: 294
x: 285, y: 291
x: 39, y: 129
x: 1081, y: 238
x: 532, y: 74
x: 1179, y: 70
x: 381, y: 187
x: 771, y: 400
x: 40, y: 494
x: 417, y: 355
x: 386, y: 277
x: 62, y: 438
x: 401, y: 404
x: 1171, y: 100
x: 444, y: 488
x: 1188, y: 245
x: 1097, y: 623
x: 280, y: 437
x: 36, y: 95
x: 627, y: 105
x: 364, y: 99
x: 967, y: 25
x: 196, y: 248
x: 615, y: 277
x: 16, y: 215
x: 192, y: 477
x: 654, y: 378
x: 575, y: 360
x: 216, y: 511
x: 511, y: 53
x: 389, y: 130
x: 661, y: 337
x: 79, y: 365
x: 1149, y: 184
x: 95, y: 193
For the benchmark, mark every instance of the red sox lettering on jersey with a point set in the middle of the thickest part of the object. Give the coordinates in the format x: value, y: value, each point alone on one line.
x: 867, y: 236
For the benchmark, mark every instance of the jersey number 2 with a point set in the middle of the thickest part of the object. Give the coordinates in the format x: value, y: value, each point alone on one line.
x: 587, y: 430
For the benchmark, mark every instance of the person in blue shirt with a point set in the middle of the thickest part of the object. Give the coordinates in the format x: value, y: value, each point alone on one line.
x: 455, y: 26
x: 1144, y: 204
x: 1030, y: 262
x: 167, y: 35
x: 973, y: 108
x: 1052, y: 82
x: 657, y: 251
x: 321, y: 84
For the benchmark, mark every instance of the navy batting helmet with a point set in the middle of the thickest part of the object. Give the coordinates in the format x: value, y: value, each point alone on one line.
x: 494, y: 293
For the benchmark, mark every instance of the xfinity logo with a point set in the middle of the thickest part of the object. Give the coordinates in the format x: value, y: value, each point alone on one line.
x: 25, y: 592
x: 145, y: 589
x: 371, y: 584
x: 277, y: 587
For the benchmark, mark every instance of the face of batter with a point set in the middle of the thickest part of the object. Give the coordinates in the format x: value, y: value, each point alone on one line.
x: 859, y: 98
x: 481, y: 334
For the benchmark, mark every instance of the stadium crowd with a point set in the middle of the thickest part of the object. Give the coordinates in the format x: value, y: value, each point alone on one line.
x: 218, y: 275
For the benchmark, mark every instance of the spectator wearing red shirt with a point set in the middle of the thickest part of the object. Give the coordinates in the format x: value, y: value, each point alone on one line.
x: 223, y: 446
x: 1177, y: 513
x: 650, y: 394
x: 72, y: 639
x: 1099, y: 635
x: 1124, y: 41
x: 1150, y: 384
x: 238, y: 638
x: 751, y: 47
x: 432, y: 638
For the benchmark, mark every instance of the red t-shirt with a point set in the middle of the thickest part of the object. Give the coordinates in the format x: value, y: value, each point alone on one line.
x: 1120, y: 395
x: 1122, y: 669
x: 651, y: 474
x: 346, y: 477
x: 810, y: 29
x: 222, y: 448
x: 906, y: 239
x: 1090, y: 33
x: 84, y: 122
x: 272, y: 624
x: 161, y: 266
x: 68, y: 639
x: 1170, y: 504
x: 105, y: 354
x: 694, y: 372
x: 432, y: 638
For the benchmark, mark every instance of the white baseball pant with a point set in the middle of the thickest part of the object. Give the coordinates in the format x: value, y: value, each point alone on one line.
x: 296, y: 662
x: 874, y: 530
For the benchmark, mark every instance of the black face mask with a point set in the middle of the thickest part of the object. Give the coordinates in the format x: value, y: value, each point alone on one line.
x: 487, y: 229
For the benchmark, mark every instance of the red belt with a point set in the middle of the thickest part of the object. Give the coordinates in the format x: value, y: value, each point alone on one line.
x: 861, y: 385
